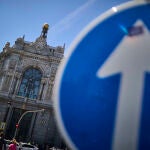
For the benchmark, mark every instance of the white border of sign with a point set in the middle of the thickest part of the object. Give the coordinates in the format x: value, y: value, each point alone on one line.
x: 85, y: 31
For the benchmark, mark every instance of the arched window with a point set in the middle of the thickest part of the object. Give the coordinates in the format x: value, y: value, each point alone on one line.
x: 30, y: 83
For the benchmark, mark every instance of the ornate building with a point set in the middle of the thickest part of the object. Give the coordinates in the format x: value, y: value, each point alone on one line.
x: 27, y: 77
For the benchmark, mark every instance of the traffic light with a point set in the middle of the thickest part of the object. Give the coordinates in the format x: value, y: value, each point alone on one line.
x: 17, y: 125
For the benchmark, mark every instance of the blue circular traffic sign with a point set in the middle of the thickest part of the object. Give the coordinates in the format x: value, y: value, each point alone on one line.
x: 103, y: 90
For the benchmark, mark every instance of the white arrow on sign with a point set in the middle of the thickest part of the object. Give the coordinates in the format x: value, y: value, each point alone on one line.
x: 131, y: 59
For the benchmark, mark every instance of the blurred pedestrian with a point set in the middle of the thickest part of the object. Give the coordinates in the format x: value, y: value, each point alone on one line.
x: 2, y: 142
x: 13, y: 145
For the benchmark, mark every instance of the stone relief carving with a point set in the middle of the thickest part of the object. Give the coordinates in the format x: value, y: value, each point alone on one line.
x: 19, y: 43
x: 53, y: 70
x: 6, y: 47
x: 12, y: 64
x: 60, y: 49
x: 6, y: 83
x: 49, y: 91
x: 40, y: 43
x: 47, y: 70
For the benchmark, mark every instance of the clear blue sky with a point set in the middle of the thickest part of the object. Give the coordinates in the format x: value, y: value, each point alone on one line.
x: 65, y: 17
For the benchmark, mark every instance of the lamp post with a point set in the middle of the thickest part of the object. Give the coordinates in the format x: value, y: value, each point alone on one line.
x: 18, y: 123
x: 5, y: 120
x: 7, y: 111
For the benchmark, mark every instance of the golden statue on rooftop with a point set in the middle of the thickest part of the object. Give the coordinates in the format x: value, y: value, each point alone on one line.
x: 45, y: 30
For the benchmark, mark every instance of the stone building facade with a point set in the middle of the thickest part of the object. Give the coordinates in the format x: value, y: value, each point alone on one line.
x: 27, y: 77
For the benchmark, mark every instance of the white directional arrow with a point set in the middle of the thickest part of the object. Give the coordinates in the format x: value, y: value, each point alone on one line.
x: 131, y: 59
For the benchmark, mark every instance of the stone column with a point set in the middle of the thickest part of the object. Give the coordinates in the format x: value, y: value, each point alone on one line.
x: 6, y: 83
x: 18, y: 77
x: 2, y: 81
x: 13, y: 86
x: 32, y: 126
x: 49, y: 90
x: 45, y: 90
x: 41, y: 89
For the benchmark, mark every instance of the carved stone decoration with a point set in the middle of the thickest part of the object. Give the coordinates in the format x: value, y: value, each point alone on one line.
x: 12, y: 64
x: 49, y: 92
x: 40, y: 43
x: 7, y: 46
x: 46, y: 70
x: 60, y: 49
x: 26, y: 63
x: 6, y: 83
x: 19, y: 43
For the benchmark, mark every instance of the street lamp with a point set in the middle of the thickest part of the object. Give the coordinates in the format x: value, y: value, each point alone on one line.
x: 7, y: 111
x: 18, y: 123
x: 5, y: 120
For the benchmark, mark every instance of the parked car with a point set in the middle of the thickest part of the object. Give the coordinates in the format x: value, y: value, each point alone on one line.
x: 22, y: 146
x: 26, y: 146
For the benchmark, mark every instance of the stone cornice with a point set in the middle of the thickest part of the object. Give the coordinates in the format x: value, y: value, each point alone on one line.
x: 30, y: 55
